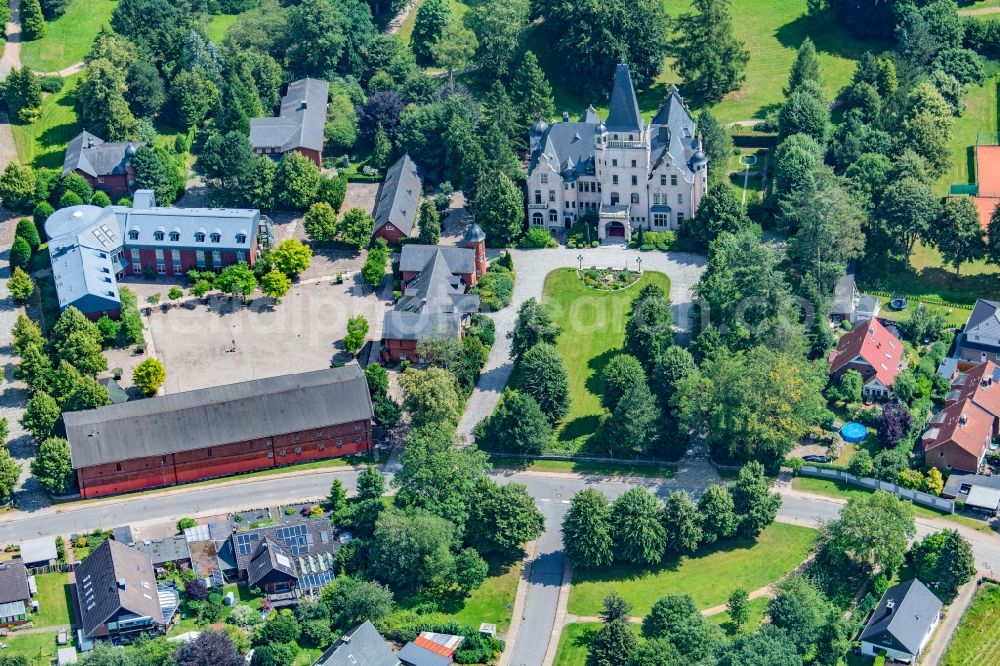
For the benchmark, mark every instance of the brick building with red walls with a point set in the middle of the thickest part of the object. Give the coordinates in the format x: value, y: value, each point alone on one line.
x: 92, y: 248
x: 107, y: 166
x: 300, y: 123
x: 220, y: 431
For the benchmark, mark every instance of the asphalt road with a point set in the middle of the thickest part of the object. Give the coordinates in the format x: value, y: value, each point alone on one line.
x: 552, y: 491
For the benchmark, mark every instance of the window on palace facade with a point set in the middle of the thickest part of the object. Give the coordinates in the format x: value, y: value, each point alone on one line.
x: 614, y: 179
x: 553, y: 216
x: 537, y: 218
x: 673, y: 181
x: 635, y: 181
x: 545, y: 178
x: 663, y: 179
x: 633, y: 164
x: 552, y: 195
x: 635, y: 197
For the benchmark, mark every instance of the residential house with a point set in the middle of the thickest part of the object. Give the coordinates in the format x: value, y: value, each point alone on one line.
x: 299, y: 125
x: 168, y: 550
x: 959, y: 436
x: 15, y: 593
x: 117, y: 596
x: 430, y: 649
x: 397, y: 201
x: 361, y: 646
x: 297, y: 557
x: 874, y: 352
x: 107, y: 166
x: 221, y: 430
x: 981, y: 488
x: 92, y: 248
x: 631, y: 173
x: 902, y: 623
x: 980, y: 338
x: 39, y: 552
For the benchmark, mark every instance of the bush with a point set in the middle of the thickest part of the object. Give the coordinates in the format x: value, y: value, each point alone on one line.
x: 537, y: 238
x: 20, y: 253
x: 495, y: 289
x: 27, y: 230
x: 186, y: 523
x: 483, y: 328
x: 52, y: 84
x: 595, y: 243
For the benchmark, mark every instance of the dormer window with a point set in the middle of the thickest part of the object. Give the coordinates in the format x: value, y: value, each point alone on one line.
x: 199, y: 237
x: 158, y: 235
x: 175, y: 236
x: 241, y: 238
x: 133, y: 235
x: 216, y: 238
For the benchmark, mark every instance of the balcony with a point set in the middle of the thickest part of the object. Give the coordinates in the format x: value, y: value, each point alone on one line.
x: 626, y: 144
x: 537, y: 206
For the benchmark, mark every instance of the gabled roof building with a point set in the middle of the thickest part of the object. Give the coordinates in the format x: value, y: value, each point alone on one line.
x: 902, y: 623
x: 874, y: 352
x: 299, y: 125
x: 398, y: 200
x: 959, y: 436
x: 632, y: 173
x: 980, y: 339
x: 118, y: 598
x: 106, y: 165
x: 297, y: 557
x: 15, y: 594
x: 220, y: 431
x: 361, y: 646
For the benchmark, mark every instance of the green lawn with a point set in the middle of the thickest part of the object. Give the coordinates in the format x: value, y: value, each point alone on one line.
x: 593, y: 327
x: 216, y: 26
x: 491, y: 603
x: 772, y: 31
x: 54, y: 600
x: 979, y: 116
x: 38, y: 648
x: 977, y: 641
x: 952, y: 316
x: 43, y: 143
x: 583, y: 467
x: 574, y: 643
x: 708, y: 577
x: 458, y: 10
x: 758, y: 608
x: 68, y: 38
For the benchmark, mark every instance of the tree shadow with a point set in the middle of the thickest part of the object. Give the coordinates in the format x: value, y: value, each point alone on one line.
x: 827, y: 35
x: 595, y: 382
x: 582, y: 426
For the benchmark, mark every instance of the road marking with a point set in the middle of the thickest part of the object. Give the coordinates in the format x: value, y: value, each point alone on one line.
x: 544, y: 499
x: 565, y: 502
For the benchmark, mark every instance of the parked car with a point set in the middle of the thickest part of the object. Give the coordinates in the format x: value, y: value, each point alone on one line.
x: 816, y: 459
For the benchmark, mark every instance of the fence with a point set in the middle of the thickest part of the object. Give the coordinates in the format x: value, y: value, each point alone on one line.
x: 971, y: 189
x: 591, y: 459
x: 50, y: 568
x: 915, y: 496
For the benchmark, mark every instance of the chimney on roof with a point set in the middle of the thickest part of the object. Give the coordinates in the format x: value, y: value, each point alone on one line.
x: 90, y: 142
x: 963, y: 419
x: 565, y: 116
x: 121, y: 583
x: 890, y: 606
x: 303, y: 104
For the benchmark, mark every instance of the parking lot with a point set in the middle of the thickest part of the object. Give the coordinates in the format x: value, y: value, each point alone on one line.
x: 223, y: 342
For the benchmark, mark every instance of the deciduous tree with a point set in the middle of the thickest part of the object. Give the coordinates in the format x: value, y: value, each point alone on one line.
x: 291, y: 257
x: 356, y: 228
x: 149, y: 375
x: 517, y: 424
x: 320, y: 222
x: 873, y: 531
x: 717, y: 513
x: 636, y: 527
x: 20, y: 285
x: 681, y: 522
x: 52, y: 466
x: 957, y: 233
x: 430, y: 396
x: 534, y: 325
x: 755, y: 505
x: 371, y: 483
x: 586, y: 530
x: 502, y: 518
x: 649, y: 328
x: 543, y: 377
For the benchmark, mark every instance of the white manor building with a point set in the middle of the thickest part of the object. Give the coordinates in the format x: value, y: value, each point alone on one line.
x: 634, y: 174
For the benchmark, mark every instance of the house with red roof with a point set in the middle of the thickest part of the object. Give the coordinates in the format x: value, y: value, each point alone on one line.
x: 874, y: 352
x: 959, y: 436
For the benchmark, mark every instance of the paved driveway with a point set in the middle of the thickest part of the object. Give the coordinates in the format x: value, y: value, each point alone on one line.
x: 532, y: 266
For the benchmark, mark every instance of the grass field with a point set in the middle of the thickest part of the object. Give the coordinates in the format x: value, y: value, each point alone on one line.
x: 980, y: 115
x: 574, y: 643
x: 977, y: 641
x: 216, y: 26
x: 772, y: 31
x: 491, y: 603
x: 38, y: 648
x: 758, y: 608
x: 54, y: 600
x: 708, y: 577
x: 458, y: 10
x: 43, y: 143
x: 593, y: 327
x: 68, y: 38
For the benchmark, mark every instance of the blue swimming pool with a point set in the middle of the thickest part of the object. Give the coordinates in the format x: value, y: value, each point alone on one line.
x: 853, y: 432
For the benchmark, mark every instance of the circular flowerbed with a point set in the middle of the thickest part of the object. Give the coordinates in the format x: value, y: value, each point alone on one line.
x: 609, y: 279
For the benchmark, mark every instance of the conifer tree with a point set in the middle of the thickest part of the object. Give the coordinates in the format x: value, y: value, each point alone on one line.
x: 707, y: 54
x: 805, y: 68
x: 32, y: 20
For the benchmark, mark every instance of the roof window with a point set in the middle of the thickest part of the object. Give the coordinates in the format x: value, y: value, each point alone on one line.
x: 199, y: 237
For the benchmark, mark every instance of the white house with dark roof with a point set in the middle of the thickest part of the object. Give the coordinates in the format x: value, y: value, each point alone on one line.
x: 631, y: 173
x: 902, y: 623
x: 299, y: 125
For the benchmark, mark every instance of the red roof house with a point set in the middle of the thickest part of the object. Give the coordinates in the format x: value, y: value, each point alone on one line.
x: 874, y: 352
x: 960, y: 434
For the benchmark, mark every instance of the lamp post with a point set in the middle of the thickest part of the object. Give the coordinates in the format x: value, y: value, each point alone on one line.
x: 579, y: 258
x: 639, y: 260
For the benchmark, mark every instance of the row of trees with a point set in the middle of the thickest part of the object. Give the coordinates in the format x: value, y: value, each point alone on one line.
x: 637, y: 528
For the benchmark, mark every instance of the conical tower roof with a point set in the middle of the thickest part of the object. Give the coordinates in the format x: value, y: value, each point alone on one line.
x: 475, y: 234
x: 623, y: 114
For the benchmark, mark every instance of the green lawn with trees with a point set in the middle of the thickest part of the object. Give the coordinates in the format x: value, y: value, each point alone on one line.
x: 978, y: 638
x: 54, y: 600
x: 43, y: 142
x: 67, y: 38
x: 593, y: 327
x: 709, y: 577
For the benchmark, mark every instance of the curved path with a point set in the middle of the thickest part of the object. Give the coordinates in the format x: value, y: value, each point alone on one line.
x: 531, y: 267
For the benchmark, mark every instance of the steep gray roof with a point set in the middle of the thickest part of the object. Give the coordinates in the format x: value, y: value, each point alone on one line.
x: 903, y: 616
x: 269, y: 557
x: 399, y: 196
x: 566, y: 141
x: 304, y: 538
x: 13, y: 582
x: 115, y: 577
x: 432, y: 304
x: 301, y: 121
x: 415, y: 258
x: 95, y: 157
x: 218, y: 415
x: 416, y: 655
x: 985, y: 319
x: 673, y: 134
x: 623, y: 112
x: 590, y: 116
x: 361, y: 646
